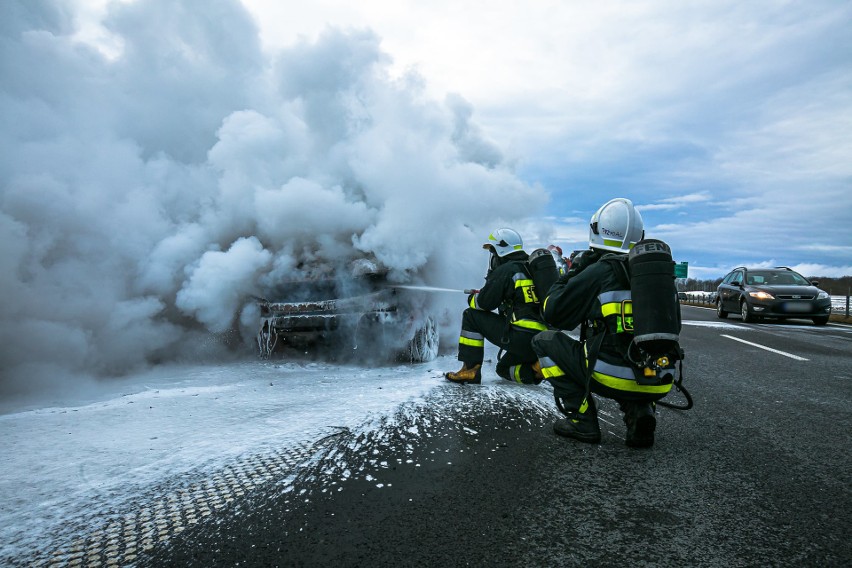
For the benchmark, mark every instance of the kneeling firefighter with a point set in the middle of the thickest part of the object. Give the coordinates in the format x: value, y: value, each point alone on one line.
x: 509, y: 289
x: 596, y: 293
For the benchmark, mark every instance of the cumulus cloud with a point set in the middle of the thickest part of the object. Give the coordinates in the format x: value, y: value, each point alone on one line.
x: 744, y: 103
x: 150, y: 188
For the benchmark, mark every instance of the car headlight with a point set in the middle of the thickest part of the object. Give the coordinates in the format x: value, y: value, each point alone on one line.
x: 823, y: 295
x: 761, y: 295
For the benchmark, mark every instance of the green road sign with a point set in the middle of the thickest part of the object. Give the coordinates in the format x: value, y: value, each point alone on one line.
x: 681, y: 269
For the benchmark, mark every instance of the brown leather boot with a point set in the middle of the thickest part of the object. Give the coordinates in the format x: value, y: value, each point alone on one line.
x: 536, y: 367
x: 466, y: 375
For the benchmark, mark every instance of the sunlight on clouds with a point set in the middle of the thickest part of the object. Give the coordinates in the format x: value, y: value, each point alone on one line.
x: 88, y: 21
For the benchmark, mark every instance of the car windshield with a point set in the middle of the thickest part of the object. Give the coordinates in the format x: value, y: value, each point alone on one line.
x: 775, y: 278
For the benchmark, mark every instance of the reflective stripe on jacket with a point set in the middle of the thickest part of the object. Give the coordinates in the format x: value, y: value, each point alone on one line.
x: 510, y: 288
x: 596, y: 295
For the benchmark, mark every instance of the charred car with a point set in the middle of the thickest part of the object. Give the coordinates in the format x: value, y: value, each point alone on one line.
x: 356, y: 314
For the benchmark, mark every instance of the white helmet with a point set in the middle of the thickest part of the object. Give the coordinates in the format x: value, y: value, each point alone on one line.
x: 616, y: 226
x: 504, y: 241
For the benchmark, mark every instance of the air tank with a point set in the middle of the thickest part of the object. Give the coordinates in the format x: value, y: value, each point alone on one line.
x: 656, y: 310
x: 543, y: 271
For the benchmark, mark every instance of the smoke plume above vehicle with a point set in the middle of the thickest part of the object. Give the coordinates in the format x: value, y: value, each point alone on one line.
x: 149, y: 191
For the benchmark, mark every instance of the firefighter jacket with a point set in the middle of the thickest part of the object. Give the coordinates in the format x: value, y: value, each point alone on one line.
x: 509, y: 289
x: 596, y: 294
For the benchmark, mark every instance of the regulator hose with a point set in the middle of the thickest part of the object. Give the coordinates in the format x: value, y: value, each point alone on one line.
x: 678, y: 384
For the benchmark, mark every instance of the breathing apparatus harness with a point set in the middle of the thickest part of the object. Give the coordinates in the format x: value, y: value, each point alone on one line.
x: 540, y: 268
x: 649, y: 273
x: 654, y: 320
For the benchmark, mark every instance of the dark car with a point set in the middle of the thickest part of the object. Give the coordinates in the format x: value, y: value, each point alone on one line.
x: 356, y: 312
x: 776, y: 293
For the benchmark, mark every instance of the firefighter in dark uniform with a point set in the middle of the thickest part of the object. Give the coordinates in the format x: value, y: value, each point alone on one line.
x: 595, y: 294
x: 508, y: 289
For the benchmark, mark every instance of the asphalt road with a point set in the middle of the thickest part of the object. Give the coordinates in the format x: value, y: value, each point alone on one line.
x: 756, y: 474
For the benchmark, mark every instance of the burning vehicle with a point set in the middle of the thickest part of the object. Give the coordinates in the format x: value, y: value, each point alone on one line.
x: 359, y: 314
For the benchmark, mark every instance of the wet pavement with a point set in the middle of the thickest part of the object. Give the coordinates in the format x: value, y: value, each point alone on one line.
x: 475, y: 477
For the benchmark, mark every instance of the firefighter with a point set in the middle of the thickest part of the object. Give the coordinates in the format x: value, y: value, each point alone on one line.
x: 593, y: 294
x: 561, y: 262
x: 508, y: 289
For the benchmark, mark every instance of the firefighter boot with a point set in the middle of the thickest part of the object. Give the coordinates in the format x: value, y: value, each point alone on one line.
x: 641, y: 423
x: 581, y: 424
x: 536, y: 368
x: 466, y: 375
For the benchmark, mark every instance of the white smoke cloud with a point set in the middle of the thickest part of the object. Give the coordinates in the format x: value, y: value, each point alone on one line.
x: 149, y: 190
x: 220, y: 281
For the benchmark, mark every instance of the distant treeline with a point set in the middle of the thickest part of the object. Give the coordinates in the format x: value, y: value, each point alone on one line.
x: 835, y: 286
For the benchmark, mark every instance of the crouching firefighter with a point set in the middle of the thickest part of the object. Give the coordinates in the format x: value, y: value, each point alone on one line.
x: 509, y: 289
x: 602, y: 292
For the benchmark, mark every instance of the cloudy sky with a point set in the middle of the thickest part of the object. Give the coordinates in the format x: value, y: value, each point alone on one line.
x: 729, y: 123
x: 163, y: 160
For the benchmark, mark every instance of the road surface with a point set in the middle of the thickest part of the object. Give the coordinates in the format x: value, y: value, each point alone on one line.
x: 756, y: 474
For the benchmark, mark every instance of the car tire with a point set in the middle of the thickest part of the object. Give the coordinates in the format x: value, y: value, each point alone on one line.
x: 745, y: 312
x: 720, y: 313
x: 822, y: 320
x: 423, y: 347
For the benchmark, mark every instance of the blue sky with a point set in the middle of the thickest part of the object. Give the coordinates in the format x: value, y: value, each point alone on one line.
x: 729, y: 123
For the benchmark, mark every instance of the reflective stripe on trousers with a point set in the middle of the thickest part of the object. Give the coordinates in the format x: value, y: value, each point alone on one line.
x: 471, y: 338
x: 529, y: 324
x: 515, y: 372
x: 549, y: 369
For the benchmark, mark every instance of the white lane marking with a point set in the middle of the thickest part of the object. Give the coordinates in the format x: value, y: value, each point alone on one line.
x: 784, y: 353
x: 716, y: 324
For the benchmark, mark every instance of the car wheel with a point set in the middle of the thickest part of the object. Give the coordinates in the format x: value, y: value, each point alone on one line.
x: 423, y: 347
x: 822, y: 320
x: 745, y: 312
x: 722, y: 314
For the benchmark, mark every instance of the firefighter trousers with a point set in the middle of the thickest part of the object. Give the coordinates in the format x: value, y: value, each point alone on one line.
x: 563, y: 363
x: 516, y: 362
